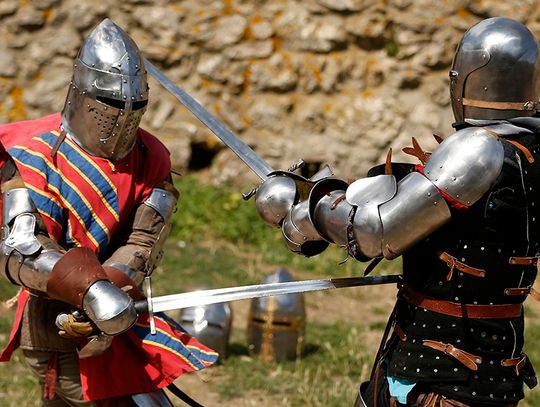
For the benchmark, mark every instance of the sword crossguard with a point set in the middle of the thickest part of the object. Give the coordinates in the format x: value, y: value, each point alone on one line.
x: 294, y: 166
x: 148, y: 281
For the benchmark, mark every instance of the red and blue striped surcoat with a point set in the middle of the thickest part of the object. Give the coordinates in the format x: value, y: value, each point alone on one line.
x: 84, y: 200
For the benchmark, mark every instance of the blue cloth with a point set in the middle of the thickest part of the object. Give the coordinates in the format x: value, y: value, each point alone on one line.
x: 399, y: 388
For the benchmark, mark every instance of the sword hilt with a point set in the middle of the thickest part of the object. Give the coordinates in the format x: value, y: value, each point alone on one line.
x: 294, y: 166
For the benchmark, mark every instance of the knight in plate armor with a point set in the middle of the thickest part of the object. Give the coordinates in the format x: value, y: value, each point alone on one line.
x: 464, y: 220
x: 87, y: 200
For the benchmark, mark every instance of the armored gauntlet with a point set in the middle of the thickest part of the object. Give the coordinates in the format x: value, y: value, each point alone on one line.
x: 79, y: 279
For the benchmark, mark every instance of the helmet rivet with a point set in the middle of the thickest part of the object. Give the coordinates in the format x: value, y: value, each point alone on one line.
x: 485, y: 88
x: 125, y: 97
x: 105, y: 108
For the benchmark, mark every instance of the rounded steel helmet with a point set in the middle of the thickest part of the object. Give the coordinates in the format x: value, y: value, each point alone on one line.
x: 276, y: 324
x: 495, y: 73
x: 108, y: 93
x: 210, y: 324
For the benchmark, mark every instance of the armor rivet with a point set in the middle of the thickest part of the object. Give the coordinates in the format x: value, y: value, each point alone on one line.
x: 504, y: 338
x: 456, y: 298
x: 440, y: 283
x: 458, y: 340
x: 485, y: 88
x: 455, y: 369
x: 456, y: 389
x: 504, y: 380
x: 490, y: 395
x: 472, y: 329
x: 482, y: 248
x: 429, y: 194
x: 483, y: 334
x: 418, y: 369
x: 438, y: 327
x: 423, y: 325
x: 88, y: 106
x: 437, y: 357
x: 435, y: 370
x: 404, y: 367
x: 125, y: 80
x: 460, y: 286
x: 457, y: 195
x: 408, y: 353
x: 421, y: 356
x: 125, y: 97
x: 474, y: 393
x: 490, y: 362
x: 104, y: 107
x: 69, y: 102
x: 476, y: 377
x: 475, y: 302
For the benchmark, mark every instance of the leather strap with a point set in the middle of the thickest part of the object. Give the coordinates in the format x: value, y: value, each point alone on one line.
x: 400, y: 333
x: 523, y: 261
x: 528, y: 105
x: 454, y: 263
x: 73, y: 274
x: 468, y: 359
x: 517, y: 291
x: 518, y: 362
x: 459, y: 310
x: 521, y: 147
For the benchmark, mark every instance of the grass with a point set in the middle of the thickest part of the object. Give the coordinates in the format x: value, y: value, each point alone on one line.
x: 217, y: 241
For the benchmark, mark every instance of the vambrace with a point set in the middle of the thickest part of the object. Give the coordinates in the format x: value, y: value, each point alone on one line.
x: 142, y: 250
x: 381, y: 217
x: 377, y: 216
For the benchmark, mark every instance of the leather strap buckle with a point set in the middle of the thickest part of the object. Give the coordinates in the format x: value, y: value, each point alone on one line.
x: 454, y: 263
x: 523, y: 261
x: 518, y: 363
x: 467, y: 359
x: 518, y: 291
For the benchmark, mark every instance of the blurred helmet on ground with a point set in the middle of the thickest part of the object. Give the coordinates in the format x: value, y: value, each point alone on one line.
x: 276, y: 324
x: 210, y: 324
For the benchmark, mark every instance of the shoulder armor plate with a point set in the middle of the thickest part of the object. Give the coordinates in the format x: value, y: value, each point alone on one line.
x: 162, y: 201
x: 466, y: 164
x: 16, y: 201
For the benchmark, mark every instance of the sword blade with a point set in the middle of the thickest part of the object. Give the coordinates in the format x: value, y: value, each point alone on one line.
x: 231, y: 140
x: 214, y: 296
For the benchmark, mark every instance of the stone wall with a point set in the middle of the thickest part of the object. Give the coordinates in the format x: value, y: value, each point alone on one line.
x: 329, y: 81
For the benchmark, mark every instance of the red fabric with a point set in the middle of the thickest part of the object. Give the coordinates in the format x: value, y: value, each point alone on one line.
x: 454, y: 203
x: 137, y: 364
x: 50, y: 377
x: 134, y: 176
x: 13, y: 342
